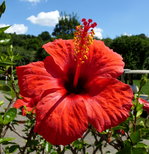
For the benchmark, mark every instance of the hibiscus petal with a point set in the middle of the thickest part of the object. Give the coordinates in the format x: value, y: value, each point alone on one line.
x: 27, y: 103
x: 61, y: 118
x: 103, y: 61
x: 61, y: 51
x: 34, y: 78
x: 19, y: 103
x: 108, y: 102
x: 145, y: 104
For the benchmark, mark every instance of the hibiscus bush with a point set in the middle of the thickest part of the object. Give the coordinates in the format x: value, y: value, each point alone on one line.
x: 130, y: 136
x: 72, y: 101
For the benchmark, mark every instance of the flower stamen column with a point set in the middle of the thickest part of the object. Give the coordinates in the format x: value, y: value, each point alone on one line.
x: 82, y: 40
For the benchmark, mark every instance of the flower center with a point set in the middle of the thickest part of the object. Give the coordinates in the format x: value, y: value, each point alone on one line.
x: 83, y: 39
x: 80, y: 88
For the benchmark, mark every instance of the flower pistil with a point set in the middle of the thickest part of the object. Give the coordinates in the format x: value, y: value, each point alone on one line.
x: 82, y: 40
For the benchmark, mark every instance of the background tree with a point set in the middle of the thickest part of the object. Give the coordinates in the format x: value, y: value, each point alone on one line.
x: 107, y: 41
x: 66, y: 26
x: 133, y: 49
x: 45, y: 36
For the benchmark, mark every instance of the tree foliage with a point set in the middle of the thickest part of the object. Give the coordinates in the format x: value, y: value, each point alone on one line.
x: 45, y: 36
x: 66, y: 26
x: 134, y: 49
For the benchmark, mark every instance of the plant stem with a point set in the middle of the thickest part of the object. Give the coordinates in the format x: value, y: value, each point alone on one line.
x: 31, y: 133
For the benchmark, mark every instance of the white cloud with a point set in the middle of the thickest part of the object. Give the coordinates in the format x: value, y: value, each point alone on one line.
x: 16, y: 28
x: 126, y: 34
x: 4, y: 25
x: 33, y: 1
x: 98, y: 32
x: 45, y: 18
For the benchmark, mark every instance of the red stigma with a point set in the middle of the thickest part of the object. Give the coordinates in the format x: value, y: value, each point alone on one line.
x: 88, y: 24
x: 94, y: 25
x: 90, y: 20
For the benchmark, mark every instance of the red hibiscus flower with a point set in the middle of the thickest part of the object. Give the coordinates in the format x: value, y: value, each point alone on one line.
x: 145, y: 104
x: 27, y: 105
x: 76, y: 86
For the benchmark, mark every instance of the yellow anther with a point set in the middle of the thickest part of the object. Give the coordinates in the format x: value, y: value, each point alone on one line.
x: 83, y: 38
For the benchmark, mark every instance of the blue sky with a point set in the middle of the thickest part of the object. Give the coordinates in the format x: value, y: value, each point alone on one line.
x: 114, y: 17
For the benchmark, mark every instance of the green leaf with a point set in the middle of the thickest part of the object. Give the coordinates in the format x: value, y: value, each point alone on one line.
x: 146, y: 130
x: 2, y: 72
x: 8, y: 98
x: 13, y: 148
x: 6, y: 139
x: 33, y: 142
x: 6, y: 63
x: 118, y: 127
x: 135, y: 137
x: 1, y: 103
x: 1, y: 119
x: 78, y: 144
x: 141, y: 145
x: 139, y: 151
x: 4, y: 41
x: 48, y: 147
x: 2, y: 8
x: 9, y: 115
x: 139, y: 112
x: 127, y: 148
x: 4, y: 88
x: 147, y: 122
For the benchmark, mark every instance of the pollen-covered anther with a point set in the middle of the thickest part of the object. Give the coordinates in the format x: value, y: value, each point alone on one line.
x: 83, y: 39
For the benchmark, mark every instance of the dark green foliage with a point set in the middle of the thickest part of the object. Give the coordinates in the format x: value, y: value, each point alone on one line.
x: 2, y: 8
x: 45, y: 36
x: 26, y: 46
x: 28, y: 42
x: 107, y: 41
x: 41, y: 54
x: 134, y: 50
x: 66, y: 26
x: 26, y: 56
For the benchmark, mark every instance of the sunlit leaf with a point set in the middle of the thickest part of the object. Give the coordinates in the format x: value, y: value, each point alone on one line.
x: 5, y: 41
x: 141, y: 145
x: 6, y: 139
x: 139, y: 112
x: 9, y: 115
x: 48, y: 147
x: 1, y: 103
